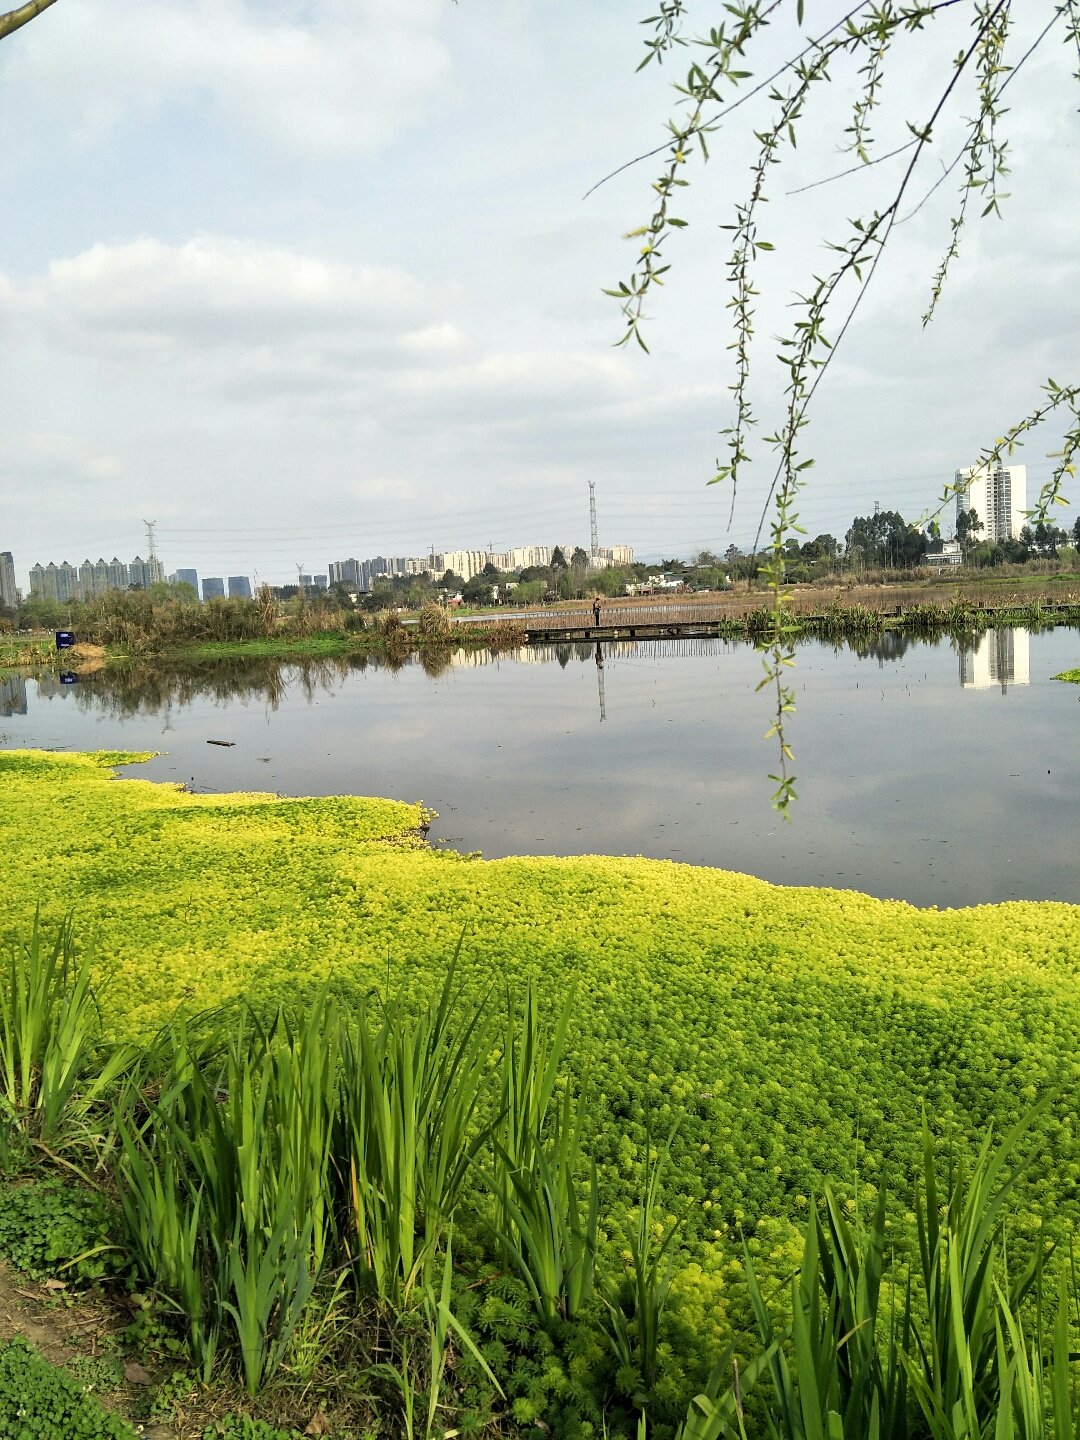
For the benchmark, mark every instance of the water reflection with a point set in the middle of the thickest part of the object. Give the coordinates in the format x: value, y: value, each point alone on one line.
x: 636, y: 747
x: 886, y: 646
x: 12, y: 696
x: 1000, y: 657
x: 148, y: 688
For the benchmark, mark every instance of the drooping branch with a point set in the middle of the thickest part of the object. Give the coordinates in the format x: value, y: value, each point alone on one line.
x: 22, y: 15
x: 865, y: 35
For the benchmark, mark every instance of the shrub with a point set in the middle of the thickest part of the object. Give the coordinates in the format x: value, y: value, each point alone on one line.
x: 37, y: 1400
x: 52, y: 1228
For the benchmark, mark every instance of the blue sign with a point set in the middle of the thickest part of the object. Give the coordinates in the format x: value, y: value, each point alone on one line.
x: 68, y: 677
x: 65, y: 639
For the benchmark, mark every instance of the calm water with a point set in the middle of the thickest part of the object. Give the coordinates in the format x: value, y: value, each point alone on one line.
x: 925, y: 773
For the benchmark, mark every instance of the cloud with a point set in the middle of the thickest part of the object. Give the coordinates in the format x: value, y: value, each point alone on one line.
x: 215, y: 291
x: 504, y: 384
x: 340, y: 77
x: 254, y: 323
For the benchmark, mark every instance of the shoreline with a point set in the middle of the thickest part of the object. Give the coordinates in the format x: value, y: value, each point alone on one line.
x: 396, y: 641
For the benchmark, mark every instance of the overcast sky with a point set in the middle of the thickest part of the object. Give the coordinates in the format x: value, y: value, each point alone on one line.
x: 305, y: 279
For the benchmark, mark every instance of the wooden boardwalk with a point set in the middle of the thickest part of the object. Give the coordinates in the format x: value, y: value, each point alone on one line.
x: 696, y: 620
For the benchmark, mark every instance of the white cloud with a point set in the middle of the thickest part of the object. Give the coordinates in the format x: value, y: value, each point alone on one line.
x: 256, y: 323
x: 336, y: 77
x: 214, y: 293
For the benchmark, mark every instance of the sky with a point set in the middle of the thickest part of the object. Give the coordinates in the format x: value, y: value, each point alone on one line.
x: 300, y: 280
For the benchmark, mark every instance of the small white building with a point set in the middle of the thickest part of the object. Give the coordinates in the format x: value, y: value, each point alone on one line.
x: 944, y: 552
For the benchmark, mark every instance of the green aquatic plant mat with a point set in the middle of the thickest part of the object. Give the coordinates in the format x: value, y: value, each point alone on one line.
x: 798, y: 1035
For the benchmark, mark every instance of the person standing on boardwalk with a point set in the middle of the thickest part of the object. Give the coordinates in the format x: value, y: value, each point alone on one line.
x: 596, y: 611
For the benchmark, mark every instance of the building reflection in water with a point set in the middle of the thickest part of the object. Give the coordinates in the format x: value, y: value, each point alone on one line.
x: 12, y: 696
x: 998, y: 658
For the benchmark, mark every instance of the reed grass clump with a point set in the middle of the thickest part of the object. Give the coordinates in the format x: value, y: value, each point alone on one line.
x: 54, y: 1068
x: 502, y: 634
x: 964, y: 1342
x: 408, y: 1189
x: 433, y: 626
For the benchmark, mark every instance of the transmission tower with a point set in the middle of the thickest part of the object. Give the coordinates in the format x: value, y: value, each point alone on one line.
x: 594, y: 534
x: 150, y: 525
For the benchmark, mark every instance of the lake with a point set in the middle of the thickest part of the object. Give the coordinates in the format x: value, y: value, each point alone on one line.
x: 926, y: 772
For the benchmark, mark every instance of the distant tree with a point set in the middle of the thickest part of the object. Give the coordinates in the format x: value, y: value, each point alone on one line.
x: 341, y: 596
x: 968, y: 526
x: 530, y: 592
x: 37, y: 613
x: 579, y: 570
x: 1049, y: 538
x: 610, y: 581
x: 731, y: 555
x: 179, y: 590
x: 477, y: 591
x: 558, y: 559
x: 880, y: 540
x: 1076, y: 532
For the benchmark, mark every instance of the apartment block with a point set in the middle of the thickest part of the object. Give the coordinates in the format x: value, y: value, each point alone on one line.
x: 66, y: 582
x: 998, y: 495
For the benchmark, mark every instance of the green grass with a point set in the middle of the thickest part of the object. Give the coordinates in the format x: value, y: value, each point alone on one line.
x: 21, y: 651
x: 311, y: 646
x: 1072, y: 676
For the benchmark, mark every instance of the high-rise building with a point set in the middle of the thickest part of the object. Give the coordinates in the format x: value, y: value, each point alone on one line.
x: 67, y: 582
x: 345, y: 572
x: 998, y: 495
x: 465, y: 563
x: 144, y: 573
x: 239, y: 587
x: 188, y: 577
x: 213, y: 587
x: 9, y: 594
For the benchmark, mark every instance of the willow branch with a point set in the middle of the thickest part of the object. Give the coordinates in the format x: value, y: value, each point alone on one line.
x: 22, y: 15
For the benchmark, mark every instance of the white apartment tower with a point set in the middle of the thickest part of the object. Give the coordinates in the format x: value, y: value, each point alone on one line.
x: 997, y: 494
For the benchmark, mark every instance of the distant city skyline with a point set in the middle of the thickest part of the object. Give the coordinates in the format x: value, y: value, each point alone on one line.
x: 63, y: 581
